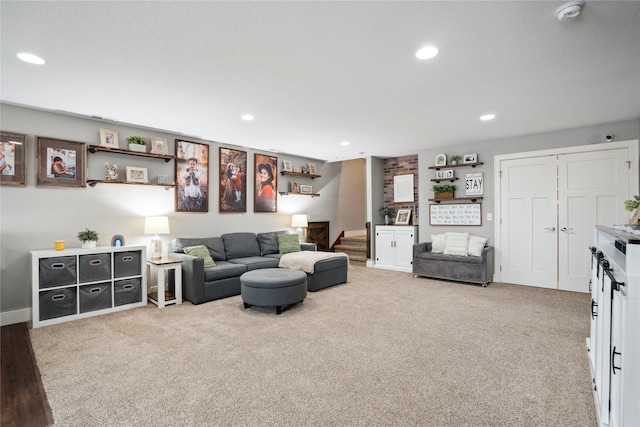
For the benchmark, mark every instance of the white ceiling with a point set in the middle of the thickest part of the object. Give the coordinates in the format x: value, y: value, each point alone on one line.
x: 317, y: 73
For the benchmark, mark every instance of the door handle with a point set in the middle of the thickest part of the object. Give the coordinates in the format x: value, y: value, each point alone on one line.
x: 550, y: 228
x: 565, y: 229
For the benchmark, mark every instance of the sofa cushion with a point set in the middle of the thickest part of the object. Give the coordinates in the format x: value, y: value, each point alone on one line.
x: 200, y: 251
x: 240, y: 245
x: 288, y: 243
x: 269, y: 242
x: 223, y: 270
x: 476, y: 244
x: 448, y: 258
x: 214, y: 244
x: 456, y: 243
x: 256, y: 262
x: 437, y: 243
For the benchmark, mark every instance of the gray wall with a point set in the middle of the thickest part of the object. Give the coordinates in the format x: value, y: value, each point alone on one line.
x: 33, y: 217
x: 487, y: 150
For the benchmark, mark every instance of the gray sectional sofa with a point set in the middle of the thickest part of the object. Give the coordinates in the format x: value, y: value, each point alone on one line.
x: 237, y: 253
x: 472, y: 269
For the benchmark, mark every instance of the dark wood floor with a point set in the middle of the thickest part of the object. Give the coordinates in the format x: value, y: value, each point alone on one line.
x: 22, y: 397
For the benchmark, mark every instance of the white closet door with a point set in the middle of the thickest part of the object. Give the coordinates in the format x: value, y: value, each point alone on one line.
x: 529, y: 221
x: 592, y: 188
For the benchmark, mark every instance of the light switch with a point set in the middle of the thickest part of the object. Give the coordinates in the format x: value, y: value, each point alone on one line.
x: 489, y: 216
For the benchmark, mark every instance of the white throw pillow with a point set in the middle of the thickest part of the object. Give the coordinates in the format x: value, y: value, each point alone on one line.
x: 476, y: 244
x: 437, y: 243
x: 456, y: 243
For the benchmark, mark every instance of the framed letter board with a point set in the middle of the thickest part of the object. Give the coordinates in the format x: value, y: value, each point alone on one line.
x: 455, y: 214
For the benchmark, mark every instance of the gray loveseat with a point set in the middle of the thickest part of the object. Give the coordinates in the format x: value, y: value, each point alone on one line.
x: 237, y: 253
x: 472, y: 269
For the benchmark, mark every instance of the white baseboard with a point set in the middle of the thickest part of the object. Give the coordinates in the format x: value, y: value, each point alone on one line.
x: 16, y: 316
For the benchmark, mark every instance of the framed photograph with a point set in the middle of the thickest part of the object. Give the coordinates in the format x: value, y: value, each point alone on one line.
x: 136, y: 174
x: 192, y: 177
x: 441, y: 159
x: 109, y: 138
x: 474, y: 184
x: 306, y: 189
x: 233, y: 180
x: 403, y: 217
x: 312, y: 169
x: 12, y: 158
x: 286, y: 166
x: 470, y: 158
x: 266, y: 183
x: 159, y: 146
x: 444, y: 173
x: 61, y: 163
x: 294, y: 187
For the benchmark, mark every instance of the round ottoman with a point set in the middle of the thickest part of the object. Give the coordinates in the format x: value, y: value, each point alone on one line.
x: 273, y: 287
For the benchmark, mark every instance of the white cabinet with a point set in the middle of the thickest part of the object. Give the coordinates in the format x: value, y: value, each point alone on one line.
x: 75, y: 283
x: 394, y: 246
x: 614, y: 341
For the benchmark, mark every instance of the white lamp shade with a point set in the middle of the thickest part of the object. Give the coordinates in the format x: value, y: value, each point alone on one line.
x: 299, y: 221
x: 156, y: 225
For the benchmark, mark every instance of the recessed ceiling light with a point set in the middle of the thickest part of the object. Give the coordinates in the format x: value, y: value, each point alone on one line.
x: 31, y: 58
x: 247, y: 117
x: 427, y: 52
x: 345, y: 143
x: 486, y: 117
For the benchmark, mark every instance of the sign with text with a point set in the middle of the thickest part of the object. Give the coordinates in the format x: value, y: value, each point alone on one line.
x: 455, y: 214
x: 475, y: 184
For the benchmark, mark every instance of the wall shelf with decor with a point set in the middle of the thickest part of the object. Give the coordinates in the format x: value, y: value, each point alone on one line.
x: 93, y: 182
x: 302, y: 175
x: 459, y: 165
x: 444, y: 179
x: 455, y: 199
x: 291, y: 193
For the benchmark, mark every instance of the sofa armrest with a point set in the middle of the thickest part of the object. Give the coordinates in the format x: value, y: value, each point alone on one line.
x: 192, y: 277
x: 421, y: 247
x: 308, y: 247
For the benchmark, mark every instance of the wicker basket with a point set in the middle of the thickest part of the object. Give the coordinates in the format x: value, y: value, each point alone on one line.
x: 444, y: 195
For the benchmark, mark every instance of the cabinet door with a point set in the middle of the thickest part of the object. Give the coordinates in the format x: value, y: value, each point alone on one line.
x: 618, y: 313
x: 603, y: 356
x: 385, y: 250
x: 404, y: 248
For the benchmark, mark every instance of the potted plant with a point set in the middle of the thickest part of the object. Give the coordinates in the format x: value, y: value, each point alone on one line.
x: 443, y: 191
x: 137, y: 143
x: 387, y: 211
x: 89, y: 238
x: 454, y: 159
x: 632, y: 204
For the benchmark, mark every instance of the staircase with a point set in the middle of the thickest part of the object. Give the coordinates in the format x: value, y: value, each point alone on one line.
x: 355, y: 247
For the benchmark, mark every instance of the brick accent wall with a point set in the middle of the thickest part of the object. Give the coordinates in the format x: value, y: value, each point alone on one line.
x: 401, y: 166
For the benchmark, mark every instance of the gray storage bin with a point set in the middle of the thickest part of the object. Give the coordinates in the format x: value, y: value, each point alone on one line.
x: 57, y: 271
x: 95, y: 297
x: 94, y: 267
x: 127, y: 291
x: 57, y: 303
x: 127, y: 263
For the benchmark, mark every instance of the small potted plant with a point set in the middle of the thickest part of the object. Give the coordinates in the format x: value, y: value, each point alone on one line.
x: 89, y: 238
x: 632, y: 205
x: 387, y: 211
x: 443, y: 191
x: 454, y: 159
x: 137, y: 143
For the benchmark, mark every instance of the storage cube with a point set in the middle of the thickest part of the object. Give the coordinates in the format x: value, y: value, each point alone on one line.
x: 127, y: 263
x: 57, y: 303
x: 57, y: 271
x: 127, y: 291
x: 95, y: 297
x: 94, y: 267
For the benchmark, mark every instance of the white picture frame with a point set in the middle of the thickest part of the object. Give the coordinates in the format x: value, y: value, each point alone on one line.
x: 470, y: 158
x: 109, y: 138
x: 306, y: 189
x: 312, y: 168
x: 136, y: 174
x: 444, y: 174
x: 286, y: 166
x: 474, y: 184
x: 441, y: 159
x: 403, y: 217
x: 159, y: 146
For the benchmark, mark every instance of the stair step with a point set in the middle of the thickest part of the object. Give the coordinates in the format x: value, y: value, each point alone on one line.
x: 344, y: 247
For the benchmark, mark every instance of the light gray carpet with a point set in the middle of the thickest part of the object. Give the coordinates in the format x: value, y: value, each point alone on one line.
x: 383, y: 349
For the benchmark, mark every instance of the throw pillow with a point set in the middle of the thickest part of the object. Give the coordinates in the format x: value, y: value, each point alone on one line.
x: 456, y: 243
x: 437, y: 243
x: 200, y: 251
x: 288, y: 243
x: 476, y: 244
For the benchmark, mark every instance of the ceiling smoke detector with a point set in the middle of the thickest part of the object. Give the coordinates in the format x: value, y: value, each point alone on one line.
x: 569, y: 11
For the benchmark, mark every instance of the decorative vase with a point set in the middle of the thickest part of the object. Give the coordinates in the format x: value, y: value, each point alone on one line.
x: 89, y: 244
x: 138, y: 147
x: 386, y: 220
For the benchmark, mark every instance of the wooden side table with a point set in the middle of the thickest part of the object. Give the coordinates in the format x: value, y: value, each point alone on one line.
x: 157, y: 267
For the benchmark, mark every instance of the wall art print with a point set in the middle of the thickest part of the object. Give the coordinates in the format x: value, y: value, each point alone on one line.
x: 266, y: 183
x: 12, y: 158
x: 61, y: 163
x: 232, y: 180
x: 192, y: 177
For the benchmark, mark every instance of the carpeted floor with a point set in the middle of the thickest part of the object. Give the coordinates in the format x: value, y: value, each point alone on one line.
x: 384, y: 349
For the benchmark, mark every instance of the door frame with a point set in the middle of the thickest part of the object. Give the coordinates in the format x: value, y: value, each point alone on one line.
x: 634, y: 180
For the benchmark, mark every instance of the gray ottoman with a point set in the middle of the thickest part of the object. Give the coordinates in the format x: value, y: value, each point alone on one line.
x: 273, y: 287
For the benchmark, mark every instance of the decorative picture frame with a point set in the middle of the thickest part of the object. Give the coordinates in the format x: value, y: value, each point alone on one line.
x: 474, y: 184
x: 159, y: 146
x: 266, y: 183
x: 294, y: 186
x: 233, y: 180
x: 137, y: 174
x: 60, y: 163
x: 109, y: 138
x: 444, y: 173
x: 470, y: 158
x: 286, y: 166
x: 313, y: 170
x: 403, y: 217
x: 455, y: 214
x: 441, y: 159
x: 306, y: 189
x: 191, y: 192
x: 13, y: 147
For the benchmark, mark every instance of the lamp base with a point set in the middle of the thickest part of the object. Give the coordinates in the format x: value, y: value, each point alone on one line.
x: 301, y: 236
x: 156, y: 247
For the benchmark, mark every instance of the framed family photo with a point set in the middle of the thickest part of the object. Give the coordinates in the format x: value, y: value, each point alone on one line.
x: 403, y: 217
x: 286, y: 166
x: 192, y: 177
x: 61, y: 163
x: 306, y: 189
x: 159, y: 146
x: 136, y: 174
x: 294, y: 187
x: 470, y: 158
x: 109, y: 138
x: 266, y: 183
x: 233, y: 180
x: 313, y: 170
x: 12, y: 158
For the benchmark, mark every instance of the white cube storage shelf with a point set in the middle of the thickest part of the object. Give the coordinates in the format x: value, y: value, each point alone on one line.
x: 76, y: 283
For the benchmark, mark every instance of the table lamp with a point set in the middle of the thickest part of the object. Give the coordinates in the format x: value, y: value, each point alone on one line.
x: 300, y: 222
x: 156, y: 225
